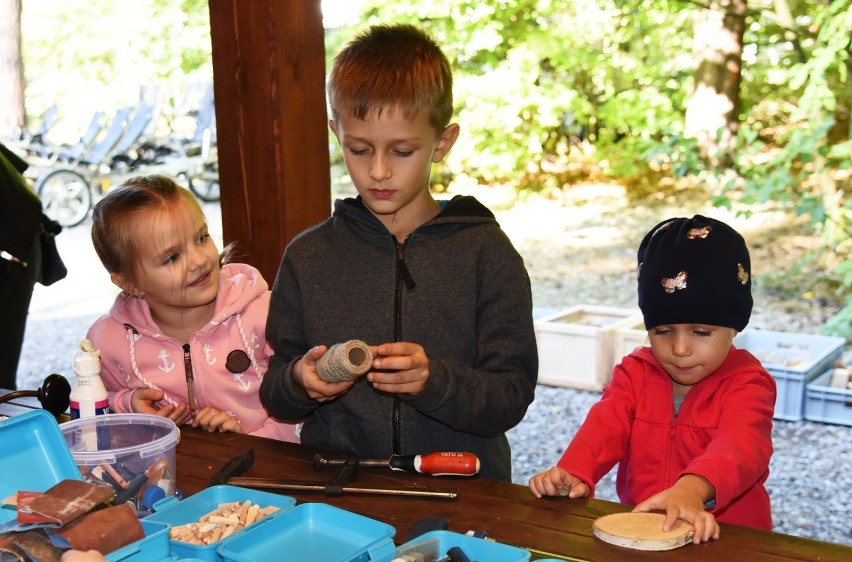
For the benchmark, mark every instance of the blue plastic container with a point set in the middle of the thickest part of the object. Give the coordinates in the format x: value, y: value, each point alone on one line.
x: 33, y: 456
x: 153, y: 548
x: 316, y: 532
x: 175, y: 512
x: 439, y: 542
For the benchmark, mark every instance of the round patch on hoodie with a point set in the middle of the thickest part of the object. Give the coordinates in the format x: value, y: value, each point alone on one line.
x: 238, y: 361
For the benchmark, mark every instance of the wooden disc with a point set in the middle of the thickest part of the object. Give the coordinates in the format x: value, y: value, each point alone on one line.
x: 642, y: 531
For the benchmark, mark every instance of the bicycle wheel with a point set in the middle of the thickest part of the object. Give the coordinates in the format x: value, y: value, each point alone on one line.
x: 65, y: 197
x: 206, y: 184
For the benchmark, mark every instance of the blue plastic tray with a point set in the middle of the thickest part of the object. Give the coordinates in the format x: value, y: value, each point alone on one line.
x: 439, y: 542
x: 33, y: 456
x: 314, y: 532
x: 153, y: 548
x: 180, y: 512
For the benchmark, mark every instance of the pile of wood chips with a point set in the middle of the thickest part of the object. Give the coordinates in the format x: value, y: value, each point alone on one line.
x: 220, y: 523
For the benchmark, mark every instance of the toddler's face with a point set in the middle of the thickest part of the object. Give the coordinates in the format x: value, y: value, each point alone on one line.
x: 690, y: 352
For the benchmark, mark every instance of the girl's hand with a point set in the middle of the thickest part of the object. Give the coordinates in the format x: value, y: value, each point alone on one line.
x: 685, y: 500
x: 399, y: 368
x: 144, y: 401
x: 211, y: 419
x: 558, y: 482
x: 305, y: 375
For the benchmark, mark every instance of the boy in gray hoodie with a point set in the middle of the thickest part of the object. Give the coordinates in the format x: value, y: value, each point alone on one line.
x: 434, y: 287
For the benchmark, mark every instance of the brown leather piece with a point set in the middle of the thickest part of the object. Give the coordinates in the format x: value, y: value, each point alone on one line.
x: 104, y: 529
x: 63, y: 503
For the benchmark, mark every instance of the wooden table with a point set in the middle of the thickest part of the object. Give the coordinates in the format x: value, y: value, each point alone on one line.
x: 509, y: 513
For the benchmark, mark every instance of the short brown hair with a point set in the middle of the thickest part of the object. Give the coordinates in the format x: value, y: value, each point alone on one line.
x: 390, y: 67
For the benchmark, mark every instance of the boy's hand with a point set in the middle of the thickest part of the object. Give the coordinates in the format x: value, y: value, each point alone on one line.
x: 399, y: 368
x: 685, y: 500
x: 144, y: 401
x: 558, y: 482
x: 305, y: 375
x: 211, y: 419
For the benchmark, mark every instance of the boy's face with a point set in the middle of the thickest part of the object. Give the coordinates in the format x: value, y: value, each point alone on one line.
x: 390, y: 160
x: 690, y: 352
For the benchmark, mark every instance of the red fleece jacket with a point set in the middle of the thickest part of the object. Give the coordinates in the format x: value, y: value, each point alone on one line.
x: 723, y: 432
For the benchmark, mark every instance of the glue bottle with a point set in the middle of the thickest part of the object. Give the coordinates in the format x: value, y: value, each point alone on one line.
x: 88, y: 395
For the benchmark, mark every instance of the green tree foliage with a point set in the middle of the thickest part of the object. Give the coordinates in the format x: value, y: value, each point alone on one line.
x: 96, y: 55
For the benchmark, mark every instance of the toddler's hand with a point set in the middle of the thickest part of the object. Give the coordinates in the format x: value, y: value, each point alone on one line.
x: 305, y: 375
x: 399, y: 368
x: 558, y: 482
x: 684, y: 501
x: 211, y: 419
x: 144, y: 401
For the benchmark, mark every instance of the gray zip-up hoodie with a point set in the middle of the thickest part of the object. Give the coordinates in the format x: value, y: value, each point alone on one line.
x: 456, y: 286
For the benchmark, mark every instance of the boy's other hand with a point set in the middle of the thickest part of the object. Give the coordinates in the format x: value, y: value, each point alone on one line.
x: 211, y: 419
x: 399, y: 368
x: 305, y: 375
x: 558, y: 482
x: 685, y: 500
x: 144, y: 401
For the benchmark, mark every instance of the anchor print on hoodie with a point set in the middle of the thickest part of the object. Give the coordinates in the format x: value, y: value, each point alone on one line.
x: 229, y: 354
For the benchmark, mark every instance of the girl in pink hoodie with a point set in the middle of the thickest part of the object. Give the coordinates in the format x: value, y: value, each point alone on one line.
x: 186, y: 337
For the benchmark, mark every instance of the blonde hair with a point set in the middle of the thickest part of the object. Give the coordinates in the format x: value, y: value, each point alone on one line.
x: 388, y: 68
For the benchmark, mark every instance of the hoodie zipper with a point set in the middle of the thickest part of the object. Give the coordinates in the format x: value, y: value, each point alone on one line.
x: 190, y: 381
x: 403, y: 281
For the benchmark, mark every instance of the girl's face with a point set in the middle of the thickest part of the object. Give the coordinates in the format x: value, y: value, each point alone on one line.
x: 690, y: 352
x: 178, y: 262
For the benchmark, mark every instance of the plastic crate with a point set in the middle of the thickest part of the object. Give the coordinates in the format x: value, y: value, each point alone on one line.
x: 313, y: 531
x: 628, y: 338
x: 437, y: 543
x: 825, y: 403
x: 175, y: 512
x: 793, y: 360
x: 576, y: 345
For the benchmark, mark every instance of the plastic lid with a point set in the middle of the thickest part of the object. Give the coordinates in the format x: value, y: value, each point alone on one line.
x: 151, y: 495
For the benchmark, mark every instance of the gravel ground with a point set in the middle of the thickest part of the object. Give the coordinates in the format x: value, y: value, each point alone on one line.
x: 579, y: 250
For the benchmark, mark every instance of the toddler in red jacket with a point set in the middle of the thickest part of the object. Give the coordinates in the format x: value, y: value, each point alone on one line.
x: 688, y: 419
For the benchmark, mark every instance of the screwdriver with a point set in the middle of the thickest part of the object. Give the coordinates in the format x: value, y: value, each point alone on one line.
x: 449, y: 463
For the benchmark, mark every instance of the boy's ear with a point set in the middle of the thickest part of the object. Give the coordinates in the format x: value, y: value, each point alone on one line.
x: 126, y: 285
x: 445, y: 142
x: 333, y: 126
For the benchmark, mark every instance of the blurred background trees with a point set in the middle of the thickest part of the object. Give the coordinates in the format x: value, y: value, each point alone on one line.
x: 747, y: 101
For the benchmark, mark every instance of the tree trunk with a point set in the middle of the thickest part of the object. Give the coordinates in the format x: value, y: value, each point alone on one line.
x: 12, y: 111
x: 712, y: 114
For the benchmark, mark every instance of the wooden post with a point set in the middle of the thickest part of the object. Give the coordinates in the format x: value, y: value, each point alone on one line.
x: 272, y: 124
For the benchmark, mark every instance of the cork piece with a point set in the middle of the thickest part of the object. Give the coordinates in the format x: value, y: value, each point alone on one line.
x: 345, y: 361
x: 642, y: 531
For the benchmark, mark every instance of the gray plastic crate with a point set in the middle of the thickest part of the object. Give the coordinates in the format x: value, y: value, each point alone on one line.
x: 825, y: 403
x: 793, y: 360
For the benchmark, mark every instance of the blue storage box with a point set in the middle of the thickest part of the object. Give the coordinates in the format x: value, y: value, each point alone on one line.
x: 439, y: 542
x: 33, y: 456
x: 825, y: 403
x: 176, y: 512
x: 153, y: 548
x: 793, y: 360
x: 313, y: 531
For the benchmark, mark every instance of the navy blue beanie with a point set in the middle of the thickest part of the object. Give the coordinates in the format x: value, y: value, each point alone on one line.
x: 694, y: 271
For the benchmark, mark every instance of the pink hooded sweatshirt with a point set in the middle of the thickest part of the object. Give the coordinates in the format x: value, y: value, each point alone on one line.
x: 229, y: 355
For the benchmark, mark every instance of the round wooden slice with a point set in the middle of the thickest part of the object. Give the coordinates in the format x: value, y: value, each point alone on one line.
x: 642, y: 531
